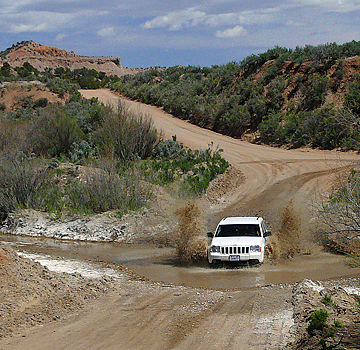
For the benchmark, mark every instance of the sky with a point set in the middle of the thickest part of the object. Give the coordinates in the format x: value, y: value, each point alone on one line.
x: 146, y: 33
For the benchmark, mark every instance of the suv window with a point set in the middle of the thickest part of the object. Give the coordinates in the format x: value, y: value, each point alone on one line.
x: 238, y: 230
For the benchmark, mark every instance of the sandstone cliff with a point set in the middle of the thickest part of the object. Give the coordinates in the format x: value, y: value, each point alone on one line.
x: 42, y: 57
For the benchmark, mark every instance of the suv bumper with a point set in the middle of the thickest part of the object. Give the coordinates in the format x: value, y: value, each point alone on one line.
x: 213, y: 257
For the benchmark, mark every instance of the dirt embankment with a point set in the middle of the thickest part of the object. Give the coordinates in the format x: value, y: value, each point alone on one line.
x: 32, y: 295
x: 339, y: 301
x: 22, y: 94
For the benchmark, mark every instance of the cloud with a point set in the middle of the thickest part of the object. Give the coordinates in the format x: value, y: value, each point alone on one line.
x: 250, y: 17
x: 110, y: 31
x: 339, y: 6
x: 21, y: 28
x: 60, y: 37
x: 232, y: 32
x: 292, y: 23
x: 177, y: 20
x: 36, y: 22
x: 46, y: 21
x: 13, y: 7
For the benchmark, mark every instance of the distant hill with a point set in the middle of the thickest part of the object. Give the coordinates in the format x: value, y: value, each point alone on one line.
x: 309, y: 96
x: 42, y: 57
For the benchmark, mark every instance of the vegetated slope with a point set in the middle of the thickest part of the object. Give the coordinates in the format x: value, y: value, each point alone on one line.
x: 294, y: 97
x: 43, y: 57
x: 22, y: 94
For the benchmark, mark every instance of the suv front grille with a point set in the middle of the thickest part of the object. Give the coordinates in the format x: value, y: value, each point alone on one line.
x: 235, y: 250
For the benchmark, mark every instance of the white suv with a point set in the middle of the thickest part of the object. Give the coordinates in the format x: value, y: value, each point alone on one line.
x: 239, y: 239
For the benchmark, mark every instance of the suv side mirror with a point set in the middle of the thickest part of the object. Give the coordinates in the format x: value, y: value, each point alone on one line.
x: 267, y: 233
x: 210, y: 234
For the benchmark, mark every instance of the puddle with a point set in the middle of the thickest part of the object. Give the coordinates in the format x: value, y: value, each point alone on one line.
x: 71, y: 266
x: 158, y: 264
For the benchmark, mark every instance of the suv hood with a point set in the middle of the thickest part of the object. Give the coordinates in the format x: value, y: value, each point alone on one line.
x: 237, y: 241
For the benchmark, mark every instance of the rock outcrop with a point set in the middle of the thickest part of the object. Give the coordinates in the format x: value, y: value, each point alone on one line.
x: 42, y: 57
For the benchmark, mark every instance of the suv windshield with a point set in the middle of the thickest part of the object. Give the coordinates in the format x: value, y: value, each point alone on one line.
x: 247, y: 230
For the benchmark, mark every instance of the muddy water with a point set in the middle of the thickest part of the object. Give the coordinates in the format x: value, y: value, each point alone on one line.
x: 158, y: 264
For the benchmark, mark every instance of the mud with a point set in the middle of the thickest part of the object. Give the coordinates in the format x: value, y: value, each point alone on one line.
x: 131, y: 313
x: 159, y: 264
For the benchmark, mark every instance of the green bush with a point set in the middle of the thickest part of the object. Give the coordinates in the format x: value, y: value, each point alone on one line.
x: 126, y: 135
x: 41, y: 103
x: 105, y: 190
x: 55, y: 132
x: 314, y: 91
x: 21, y: 180
x: 352, y: 99
x: 194, y: 169
x: 275, y: 94
x: 5, y: 70
x: 272, y: 131
x: 327, y: 300
x: 318, y: 320
x: 318, y: 326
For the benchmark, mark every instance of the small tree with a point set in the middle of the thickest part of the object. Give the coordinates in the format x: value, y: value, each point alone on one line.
x: 340, y: 215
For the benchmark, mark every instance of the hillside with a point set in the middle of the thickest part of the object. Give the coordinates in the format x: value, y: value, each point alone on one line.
x: 42, y: 57
x: 303, y: 97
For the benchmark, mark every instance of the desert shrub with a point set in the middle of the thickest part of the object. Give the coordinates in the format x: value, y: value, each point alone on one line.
x: 194, y: 169
x: 104, y: 189
x: 62, y: 87
x: 327, y: 300
x: 168, y: 149
x: 324, y: 128
x: 317, y: 321
x: 339, y: 216
x: 55, y: 132
x: 41, y: 103
x: 126, y: 135
x: 235, y: 117
x: 14, y: 136
x: 5, y: 70
x: 231, y: 98
x: 271, y: 129
x: 26, y: 71
x: 338, y: 76
x: 21, y: 179
x: 79, y: 151
x: 87, y: 113
x: 270, y: 74
x: 275, y: 94
x: 352, y: 99
x: 314, y: 91
x: 326, y: 333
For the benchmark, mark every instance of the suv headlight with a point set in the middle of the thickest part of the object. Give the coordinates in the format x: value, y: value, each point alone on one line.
x: 255, y: 248
x: 215, y: 249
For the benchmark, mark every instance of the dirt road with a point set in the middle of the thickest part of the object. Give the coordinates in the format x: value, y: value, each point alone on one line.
x: 137, y: 314
x: 145, y: 315
x: 273, y: 176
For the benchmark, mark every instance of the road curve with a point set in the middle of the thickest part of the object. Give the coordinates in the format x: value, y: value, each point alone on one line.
x: 273, y: 176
